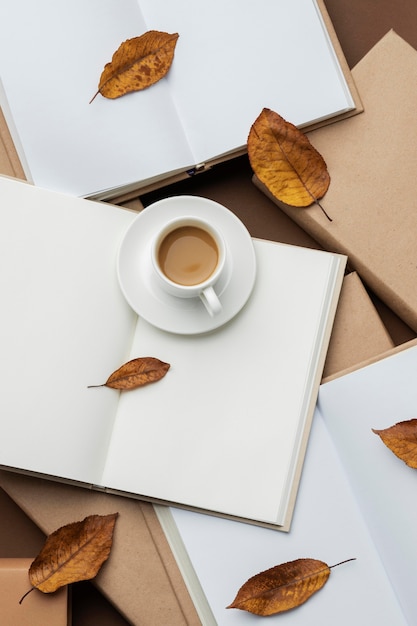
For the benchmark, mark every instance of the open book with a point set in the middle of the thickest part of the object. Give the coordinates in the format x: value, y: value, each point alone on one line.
x: 141, y: 556
x: 231, y: 60
x: 356, y: 499
x: 225, y: 430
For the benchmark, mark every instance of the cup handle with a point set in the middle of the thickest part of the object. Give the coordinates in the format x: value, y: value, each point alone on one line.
x: 211, y: 301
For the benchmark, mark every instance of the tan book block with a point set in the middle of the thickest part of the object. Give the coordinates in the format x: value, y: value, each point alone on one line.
x: 37, y: 609
x: 371, y: 161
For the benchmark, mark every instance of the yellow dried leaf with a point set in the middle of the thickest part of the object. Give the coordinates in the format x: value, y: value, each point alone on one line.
x: 136, y: 373
x: 283, y: 587
x: 285, y: 161
x: 137, y: 64
x: 73, y: 553
x: 401, y: 439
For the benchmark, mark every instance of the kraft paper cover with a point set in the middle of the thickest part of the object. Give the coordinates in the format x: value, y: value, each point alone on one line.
x: 371, y: 161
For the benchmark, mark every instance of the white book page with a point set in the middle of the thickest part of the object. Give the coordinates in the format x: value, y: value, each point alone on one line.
x: 378, y: 396
x: 64, y: 326
x: 222, y: 429
x: 52, y: 54
x: 234, y: 58
x: 327, y: 525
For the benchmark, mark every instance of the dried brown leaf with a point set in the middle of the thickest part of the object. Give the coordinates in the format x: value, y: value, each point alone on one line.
x: 401, y: 439
x: 136, y: 373
x: 73, y: 553
x: 285, y: 161
x: 137, y: 64
x: 283, y: 587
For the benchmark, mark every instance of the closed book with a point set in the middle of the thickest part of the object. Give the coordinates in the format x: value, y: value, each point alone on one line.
x: 370, y: 159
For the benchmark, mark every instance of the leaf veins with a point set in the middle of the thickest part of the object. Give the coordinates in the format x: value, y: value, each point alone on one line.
x: 73, y: 553
x: 282, y: 587
x: 137, y: 64
x: 136, y: 373
x: 285, y: 161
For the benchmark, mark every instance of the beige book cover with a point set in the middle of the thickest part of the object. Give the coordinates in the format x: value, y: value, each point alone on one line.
x: 372, y: 359
x: 358, y: 332
x: 371, y: 161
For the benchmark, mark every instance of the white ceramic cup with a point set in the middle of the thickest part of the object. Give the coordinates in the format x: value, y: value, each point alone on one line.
x: 188, y: 257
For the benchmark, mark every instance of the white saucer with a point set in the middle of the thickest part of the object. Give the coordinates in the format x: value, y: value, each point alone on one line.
x: 185, y: 316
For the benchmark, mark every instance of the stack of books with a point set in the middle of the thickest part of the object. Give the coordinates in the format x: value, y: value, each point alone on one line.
x: 232, y: 446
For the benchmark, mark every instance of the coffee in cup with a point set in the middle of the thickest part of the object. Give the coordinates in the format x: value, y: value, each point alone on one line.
x: 188, y: 257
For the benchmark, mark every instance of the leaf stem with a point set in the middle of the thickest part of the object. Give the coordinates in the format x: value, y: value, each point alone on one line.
x: 342, y: 562
x: 322, y: 208
x: 95, y: 96
x: 26, y: 594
